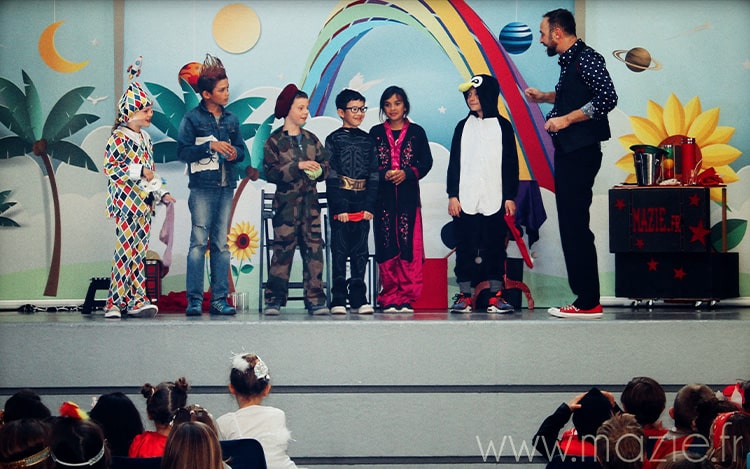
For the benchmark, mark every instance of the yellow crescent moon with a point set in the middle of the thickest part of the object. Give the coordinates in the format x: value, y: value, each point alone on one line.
x: 51, y: 57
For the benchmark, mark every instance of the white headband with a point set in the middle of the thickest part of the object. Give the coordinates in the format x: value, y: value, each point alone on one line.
x: 90, y: 462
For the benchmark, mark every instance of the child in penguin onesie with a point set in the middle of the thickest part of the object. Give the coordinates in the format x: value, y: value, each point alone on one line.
x: 482, y: 184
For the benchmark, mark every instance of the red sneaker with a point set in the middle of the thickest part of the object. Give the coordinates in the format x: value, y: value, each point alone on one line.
x: 461, y: 303
x: 571, y: 311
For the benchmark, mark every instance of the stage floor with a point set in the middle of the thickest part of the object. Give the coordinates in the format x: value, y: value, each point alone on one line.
x: 659, y: 312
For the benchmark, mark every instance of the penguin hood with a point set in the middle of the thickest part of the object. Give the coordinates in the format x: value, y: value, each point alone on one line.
x: 488, y: 92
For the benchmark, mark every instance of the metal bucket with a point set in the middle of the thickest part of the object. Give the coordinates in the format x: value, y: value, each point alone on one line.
x: 647, y: 161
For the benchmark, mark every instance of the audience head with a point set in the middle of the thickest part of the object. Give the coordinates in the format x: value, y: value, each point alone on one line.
x: 684, y: 460
x: 249, y: 376
x: 194, y: 413
x: 25, y: 404
x: 619, y: 443
x: 739, y: 394
x: 192, y: 445
x: 685, y: 408
x: 595, y: 409
x: 730, y: 440
x: 25, y: 443
x: 708, y: 410
x: 645, y: 399
x: 163, y: 400
x: 76, y: 441
x: 120, y: 420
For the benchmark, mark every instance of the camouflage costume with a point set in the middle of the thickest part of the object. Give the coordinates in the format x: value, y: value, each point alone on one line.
x: 296, y: 218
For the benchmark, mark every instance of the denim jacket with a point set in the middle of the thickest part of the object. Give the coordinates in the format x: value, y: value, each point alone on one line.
x: 199, y: 123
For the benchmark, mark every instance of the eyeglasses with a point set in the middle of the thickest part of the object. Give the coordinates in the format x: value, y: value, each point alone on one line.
x: 356, y: 109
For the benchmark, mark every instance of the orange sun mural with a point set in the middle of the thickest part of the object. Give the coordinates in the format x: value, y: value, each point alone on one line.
x: 675, y: 120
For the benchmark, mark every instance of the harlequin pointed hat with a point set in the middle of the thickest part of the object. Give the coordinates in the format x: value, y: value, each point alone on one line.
x: 134, y: 99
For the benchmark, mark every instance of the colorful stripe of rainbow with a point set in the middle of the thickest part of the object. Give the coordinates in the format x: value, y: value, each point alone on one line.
x: 463, y: 37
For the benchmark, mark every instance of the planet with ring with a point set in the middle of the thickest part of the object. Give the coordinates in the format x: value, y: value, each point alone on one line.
x: 637, y: 59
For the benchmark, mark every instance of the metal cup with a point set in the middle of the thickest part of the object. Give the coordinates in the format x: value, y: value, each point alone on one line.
x: 647, y: 160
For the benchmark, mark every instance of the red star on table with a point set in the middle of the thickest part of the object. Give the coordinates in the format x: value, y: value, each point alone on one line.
x: 694, y: 200
x: 679, y: 274
x: 619, y: 204
x: 652, y: 265
x: 639, y: 243
x: 699, y: 233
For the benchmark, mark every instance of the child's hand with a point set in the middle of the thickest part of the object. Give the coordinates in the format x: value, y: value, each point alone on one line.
x: 573, y: 404
x: 310, y: 165
x: 396, y: 176
x: 147, y: 174
x: 454, y: 207
x: 225, y: 148
x: 168, y: 199
x: 367, y: 215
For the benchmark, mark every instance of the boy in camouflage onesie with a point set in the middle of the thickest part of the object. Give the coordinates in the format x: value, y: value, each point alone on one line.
x: 295, y: 160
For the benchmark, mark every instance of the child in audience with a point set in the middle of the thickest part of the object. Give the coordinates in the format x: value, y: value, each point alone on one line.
x: 619, y: 443
x: 250, y: 383
x: 25, y: 443
x: 730, y: 441
x: 575, y: 448
x: 162, y: 402
x: 295, y: 160
x: 684, y: 412
x: 24, y: 404
x: 645, y: 399
x: 351, y: 190
x: 192, y: 445
x: 76, y: 441
x: 119, y: 419
x: 404, y: 158
x: 195, y: 413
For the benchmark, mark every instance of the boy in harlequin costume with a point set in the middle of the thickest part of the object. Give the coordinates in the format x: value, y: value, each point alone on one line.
x: 482, y: 184
x: 134, y: 190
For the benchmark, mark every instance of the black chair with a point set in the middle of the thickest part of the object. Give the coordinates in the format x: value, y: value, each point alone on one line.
x: 266, y: 240
x: 246, y: 453
x: 122, y: 462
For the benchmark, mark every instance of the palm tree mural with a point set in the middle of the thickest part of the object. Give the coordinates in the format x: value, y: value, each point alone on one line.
x: 30, y: 132
x: 5, y: 205
x: 171, y: 110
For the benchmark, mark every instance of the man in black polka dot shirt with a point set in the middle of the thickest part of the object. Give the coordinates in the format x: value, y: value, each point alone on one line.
x: 577, y: 123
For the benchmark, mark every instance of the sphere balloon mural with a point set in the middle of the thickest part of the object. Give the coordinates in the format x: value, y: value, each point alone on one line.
x: 515, y: 37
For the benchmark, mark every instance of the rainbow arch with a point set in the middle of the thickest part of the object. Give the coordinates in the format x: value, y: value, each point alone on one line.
x: 463, y: 37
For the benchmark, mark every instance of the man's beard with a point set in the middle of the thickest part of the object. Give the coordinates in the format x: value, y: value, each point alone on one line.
x: 552, y: 50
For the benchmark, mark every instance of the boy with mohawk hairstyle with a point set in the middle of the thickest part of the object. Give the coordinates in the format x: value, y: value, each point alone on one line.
x: 210, y: 142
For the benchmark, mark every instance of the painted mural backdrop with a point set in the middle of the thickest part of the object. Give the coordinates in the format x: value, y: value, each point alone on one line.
x: 58, y: 95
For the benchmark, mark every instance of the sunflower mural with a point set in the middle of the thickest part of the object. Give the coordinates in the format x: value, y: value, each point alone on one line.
x: 243, y: 242
x: 674, y: 121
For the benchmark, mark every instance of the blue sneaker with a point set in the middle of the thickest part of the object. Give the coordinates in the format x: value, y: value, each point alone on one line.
x: 222, y: 308
x: 195, y: 308
x: 499, y: 305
